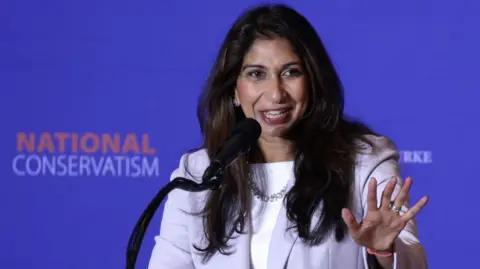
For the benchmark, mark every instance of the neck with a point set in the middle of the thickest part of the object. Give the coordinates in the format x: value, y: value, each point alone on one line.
x: 273, y: 150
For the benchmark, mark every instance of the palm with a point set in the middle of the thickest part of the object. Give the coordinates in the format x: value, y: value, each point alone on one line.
x: 378, y: 230
x: 381, y: 225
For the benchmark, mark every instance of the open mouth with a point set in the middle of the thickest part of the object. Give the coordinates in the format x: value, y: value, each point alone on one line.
x: 279, y: 116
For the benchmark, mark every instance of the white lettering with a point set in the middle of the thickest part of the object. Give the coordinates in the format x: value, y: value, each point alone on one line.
x: 16, y: 170
x: 428, y: 157
x: 416, y: 156
x: 136, y: 166
x: 119, y: 160
x: 62, y: 167
x: 150, y: 169
x: 108, y: 167
x: 48, y: 164
x: 97, y: 166
x: 85, y: 165
x: 72, y: 165
x: 38, y: 162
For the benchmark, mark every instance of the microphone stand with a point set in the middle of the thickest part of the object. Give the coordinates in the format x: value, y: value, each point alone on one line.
x: 136, y: 238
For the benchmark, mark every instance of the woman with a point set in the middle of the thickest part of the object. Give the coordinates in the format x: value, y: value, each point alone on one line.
x: 318, y: 191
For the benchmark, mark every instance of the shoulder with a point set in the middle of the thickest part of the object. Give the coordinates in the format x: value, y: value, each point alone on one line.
x: 192, y: 165
x: 376, y: 149
x: 378, y: 158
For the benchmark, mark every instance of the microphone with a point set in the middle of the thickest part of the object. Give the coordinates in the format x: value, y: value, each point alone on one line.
x: 242, y: 138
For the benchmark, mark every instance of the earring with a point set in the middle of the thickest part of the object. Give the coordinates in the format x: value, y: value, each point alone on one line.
x: 235, y: 102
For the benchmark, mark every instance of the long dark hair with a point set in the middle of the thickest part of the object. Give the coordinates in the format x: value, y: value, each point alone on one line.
x: 325, y: 140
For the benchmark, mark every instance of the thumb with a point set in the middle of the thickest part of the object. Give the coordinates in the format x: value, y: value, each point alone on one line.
x: 351, y: 222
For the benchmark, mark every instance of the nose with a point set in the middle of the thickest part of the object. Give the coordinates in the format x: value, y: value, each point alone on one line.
x: 276, y: 93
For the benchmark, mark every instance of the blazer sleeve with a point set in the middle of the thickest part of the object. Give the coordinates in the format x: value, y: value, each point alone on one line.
x: 172, y: 244
x: 408, y: 251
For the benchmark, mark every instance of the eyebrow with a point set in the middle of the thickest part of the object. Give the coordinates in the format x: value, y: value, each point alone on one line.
x: 263, y: 67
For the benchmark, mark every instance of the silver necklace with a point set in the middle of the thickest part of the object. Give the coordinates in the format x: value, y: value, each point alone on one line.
x: 263, y: 197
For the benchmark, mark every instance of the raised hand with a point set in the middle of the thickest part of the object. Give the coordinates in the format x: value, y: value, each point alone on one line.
x: 381, y: 225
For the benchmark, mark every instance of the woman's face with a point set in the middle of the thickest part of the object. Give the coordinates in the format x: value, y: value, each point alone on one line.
x: 271, y: 86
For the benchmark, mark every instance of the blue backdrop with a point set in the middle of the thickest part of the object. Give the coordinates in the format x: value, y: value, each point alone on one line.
x: 98, y: 104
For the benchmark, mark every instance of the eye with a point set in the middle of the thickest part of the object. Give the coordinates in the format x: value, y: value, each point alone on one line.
x: 256, y: 74
x: 294, y: 72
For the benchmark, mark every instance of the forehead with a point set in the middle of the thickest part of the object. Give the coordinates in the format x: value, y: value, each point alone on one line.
x: 270, y: 52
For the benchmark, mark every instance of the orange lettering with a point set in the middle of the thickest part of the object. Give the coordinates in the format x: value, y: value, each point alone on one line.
x: 61, y: 137
x: 74, y: 142
x: 111, y: 143
x: 146, y: 149
x: 130, y: 144
x: 88, y: 143
x: 46, y: 142
x: 23, y: 142
x: 95, y: 143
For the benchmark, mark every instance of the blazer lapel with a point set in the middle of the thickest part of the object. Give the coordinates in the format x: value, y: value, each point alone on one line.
x: 282, y: 241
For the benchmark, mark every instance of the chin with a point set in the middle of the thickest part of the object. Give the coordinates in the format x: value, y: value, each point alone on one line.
x: 275, y: 131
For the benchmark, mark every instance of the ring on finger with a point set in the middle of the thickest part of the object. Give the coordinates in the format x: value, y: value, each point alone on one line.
x: 395, y: 208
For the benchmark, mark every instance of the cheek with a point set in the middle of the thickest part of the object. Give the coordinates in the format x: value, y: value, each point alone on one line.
x: 299, y: 93
x: 246, y: 92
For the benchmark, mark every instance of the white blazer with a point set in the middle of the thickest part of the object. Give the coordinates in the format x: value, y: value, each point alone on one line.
x: 173, y: 246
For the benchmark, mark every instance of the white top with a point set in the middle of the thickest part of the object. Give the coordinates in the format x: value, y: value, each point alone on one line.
x: 271, y: 178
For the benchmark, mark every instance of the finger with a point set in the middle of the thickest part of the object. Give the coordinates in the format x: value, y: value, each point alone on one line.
x: 403, y: 194
x: 351, y: 222
x: 415, y: 209
x: 387, y: 193
x: 372, y: 195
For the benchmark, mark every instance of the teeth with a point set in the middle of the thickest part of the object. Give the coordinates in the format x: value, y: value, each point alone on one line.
x: 275, y: 114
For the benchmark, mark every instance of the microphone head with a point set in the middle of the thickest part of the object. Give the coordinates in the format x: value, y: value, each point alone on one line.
x: 250, y: 128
